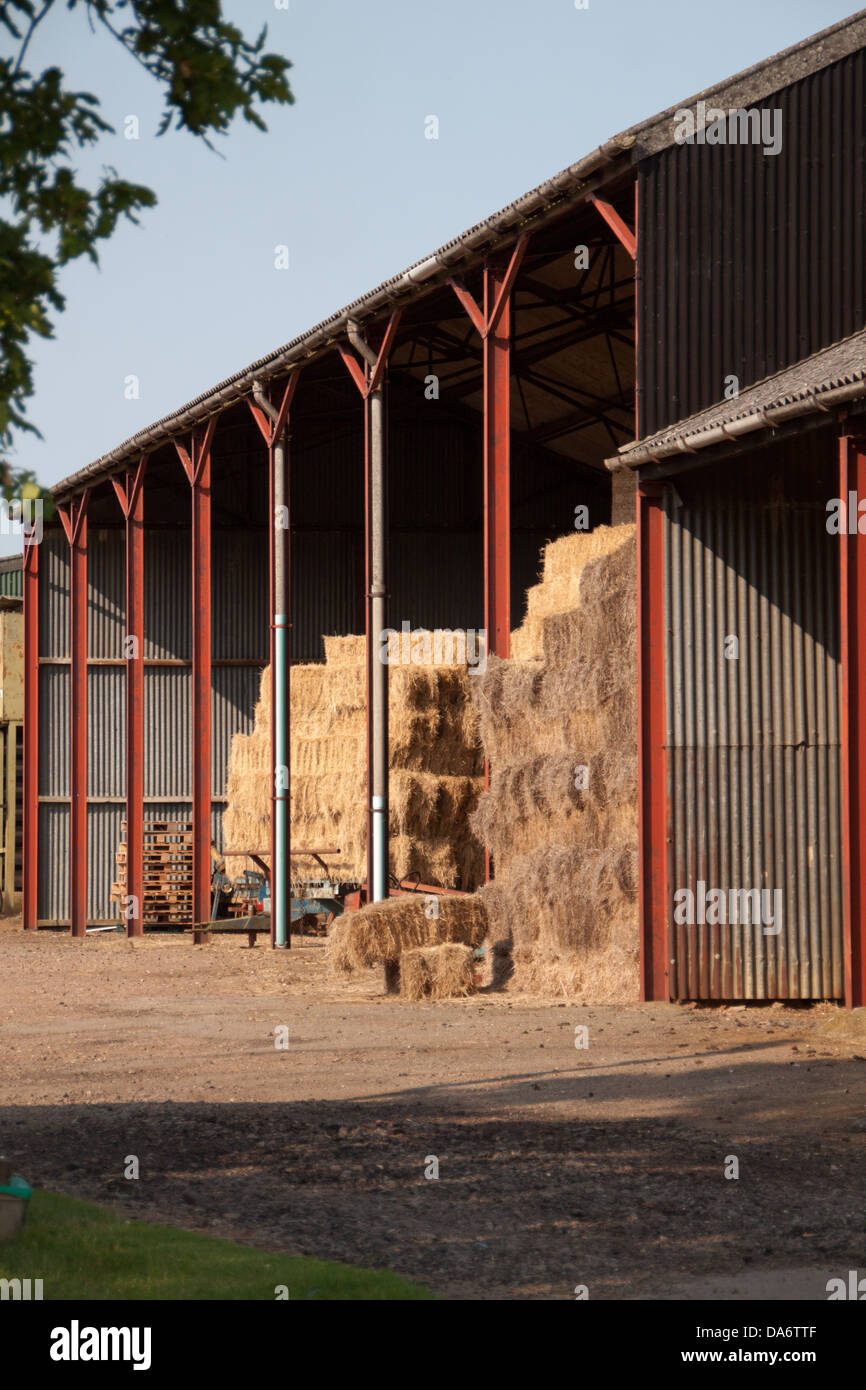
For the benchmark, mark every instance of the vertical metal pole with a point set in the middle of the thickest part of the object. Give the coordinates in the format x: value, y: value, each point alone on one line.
x: 135, y: 706
x: 377, y: 704
x: 201, y: 681
x: 852, y: 586
x: 368, y: 634
x: 652, y: 765
x: 29, y: 906
x: 370, y: 382
x: 9, y: 736
x: 272, y: 668
x: 78, y: 729
x: 281, y: 698
x: 497, y: 467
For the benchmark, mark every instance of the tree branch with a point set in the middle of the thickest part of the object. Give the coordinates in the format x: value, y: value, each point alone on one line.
x: 36, y: 20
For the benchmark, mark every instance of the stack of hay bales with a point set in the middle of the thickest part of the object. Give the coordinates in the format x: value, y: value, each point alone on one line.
x: 559, y: 726
x: 431, y: 940
x: 435, y: 767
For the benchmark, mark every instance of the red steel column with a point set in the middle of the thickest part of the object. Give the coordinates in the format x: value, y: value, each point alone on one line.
x: 130, y: 495
x: 201, y: 684
x: 493, y: 323
x: 75, y: 525
x: 135, y: 709
x: 197, y: 467
x: 652, y: 757
x: 31, y: 737
x: 369, y: 655
x: 852, y: 478
x: 497, y: 463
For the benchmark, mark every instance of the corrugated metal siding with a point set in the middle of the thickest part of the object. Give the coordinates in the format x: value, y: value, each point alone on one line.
x: 54, y: 594
x: 435, y: 472
x: 106, y: 731
x: 327, y: 589
x: 235, y: 691
x: 216, y: 825
x: 240, y: 595
x: 167, y: 600
x: 11, y: 580
x: 106, y: 592
x: 52, y: 889
x: 167, y: 715
x: 54, y: 717
x: 436, y: 580
x: 327, y: 478
x: 103, y: 837
x: 753, y: 743
x: 748, y: 263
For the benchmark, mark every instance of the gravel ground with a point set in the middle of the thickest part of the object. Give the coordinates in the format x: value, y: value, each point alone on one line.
x: 602, y: 1166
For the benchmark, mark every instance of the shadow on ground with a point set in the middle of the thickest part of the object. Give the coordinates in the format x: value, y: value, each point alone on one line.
x: 526, y: 1205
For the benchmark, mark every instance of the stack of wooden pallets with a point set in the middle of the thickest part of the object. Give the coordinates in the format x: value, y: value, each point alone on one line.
x: 167, y: 871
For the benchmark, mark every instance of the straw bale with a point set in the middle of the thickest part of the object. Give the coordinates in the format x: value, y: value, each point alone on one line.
x: 564, y: 562
x: 533, y: 803
x: 611, y: 976
x: 527, y: 640
x: 382, y: 931
x: 345, y: 651
x: 436, y: 765
x: 438, y: 972
x: 509, y: 707
x: 564, y: 898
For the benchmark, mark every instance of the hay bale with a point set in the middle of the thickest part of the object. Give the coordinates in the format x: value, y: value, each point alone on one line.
x: 438, y: 972
x: 564, y: 900
x: 345, y: 651
x: 436, y: 765
x: 382, y: 931
x: 564, y: 562
x: 535, y: 803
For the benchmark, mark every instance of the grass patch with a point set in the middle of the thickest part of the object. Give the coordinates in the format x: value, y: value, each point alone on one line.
x: 82, y: 1251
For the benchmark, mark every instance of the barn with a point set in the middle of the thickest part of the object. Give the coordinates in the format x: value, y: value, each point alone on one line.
x: 673, y: 330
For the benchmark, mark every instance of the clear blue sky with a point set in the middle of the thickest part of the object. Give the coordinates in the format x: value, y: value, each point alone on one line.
x: 345, y: 177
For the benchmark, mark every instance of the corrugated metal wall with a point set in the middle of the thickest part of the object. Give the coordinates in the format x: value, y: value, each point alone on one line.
x: 753, y: 742
x: 748, y: 263
x: 240, y: 634
x: 11, y: 577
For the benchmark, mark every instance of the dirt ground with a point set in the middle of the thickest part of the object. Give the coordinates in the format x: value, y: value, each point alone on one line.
x: 601, y: 1166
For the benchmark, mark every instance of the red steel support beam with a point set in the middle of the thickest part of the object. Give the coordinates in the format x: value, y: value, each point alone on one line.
x: 368, y: 377
x: 852, y: 479
x: 497, y: 466
x: 620, y: 229
x: 130, y: 495
x: 272, y: 431
x: 493, y: 323
x: 652, y: 754
x: 75, y: 525
x: 31, y: 738
x: 197, y: 467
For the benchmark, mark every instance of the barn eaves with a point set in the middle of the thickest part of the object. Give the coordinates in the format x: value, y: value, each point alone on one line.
x: 833, y: 377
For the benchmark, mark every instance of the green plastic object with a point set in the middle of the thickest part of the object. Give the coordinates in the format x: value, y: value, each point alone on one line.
x: 16, y: 1187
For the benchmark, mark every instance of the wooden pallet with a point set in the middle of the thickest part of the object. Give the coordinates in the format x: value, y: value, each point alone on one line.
x: 167, y: 863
